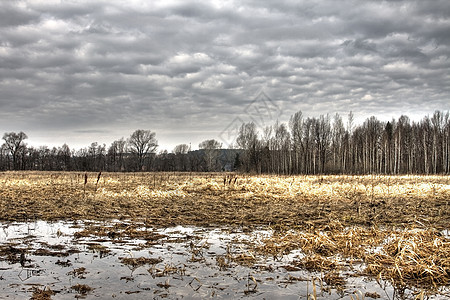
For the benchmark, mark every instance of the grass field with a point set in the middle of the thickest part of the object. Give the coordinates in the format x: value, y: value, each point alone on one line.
x: 218, y: 199
x: 395, y: 227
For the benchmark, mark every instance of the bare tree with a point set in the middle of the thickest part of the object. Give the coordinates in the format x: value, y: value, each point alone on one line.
x: 322, y: 135
x: 337, y: 143
x: 116, y: 155
x: 308, y: 146
x: 296, y: 126
x: 350, y: 122
x: 181, y: 149
x: 141, y: 143
x: 64, y: 157
x: 446, y: 144
x: 266, y: 145
x: 387, y: 142
x: 282, y: 146
x: 212, y: 151
x: 14, y: 142
x: 372, y: 145
x: 247, y: 140
x: 400, y: 145
x: 93, y: 156
x: 4, y: 159
x: 181, y: 157
x: 438, y: 121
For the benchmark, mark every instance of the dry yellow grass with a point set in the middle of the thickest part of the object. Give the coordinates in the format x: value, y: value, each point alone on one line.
x: 203, y: 199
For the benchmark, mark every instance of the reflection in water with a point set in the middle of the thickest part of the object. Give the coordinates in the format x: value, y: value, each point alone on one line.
x: 120, y: 260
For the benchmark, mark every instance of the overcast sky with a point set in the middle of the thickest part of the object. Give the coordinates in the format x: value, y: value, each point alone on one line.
x: 79, y: 71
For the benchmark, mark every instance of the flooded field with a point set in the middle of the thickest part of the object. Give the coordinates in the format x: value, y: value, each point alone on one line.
x: 194, y: 236
x: 125, y: 260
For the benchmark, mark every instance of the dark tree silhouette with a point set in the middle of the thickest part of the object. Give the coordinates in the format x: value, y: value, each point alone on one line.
x: 14, y: 142
x: 141, y: 143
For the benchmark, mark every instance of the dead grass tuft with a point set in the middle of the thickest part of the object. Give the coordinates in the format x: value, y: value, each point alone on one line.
x: 45, y: 294
x: 420, y: 257
x: 140, y: 261
x: 81, y: 288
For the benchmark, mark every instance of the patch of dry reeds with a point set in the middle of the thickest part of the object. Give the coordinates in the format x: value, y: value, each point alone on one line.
x: 410, y: 257
x: 82, y: 288
x: 45, y: 294
x: 139, y: 261
x: 326, y: 241
x: 420, y: 257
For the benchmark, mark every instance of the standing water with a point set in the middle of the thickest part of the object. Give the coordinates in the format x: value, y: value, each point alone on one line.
x: 122, y: 260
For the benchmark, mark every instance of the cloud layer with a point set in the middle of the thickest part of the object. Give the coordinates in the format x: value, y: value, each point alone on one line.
x: 79, y: 71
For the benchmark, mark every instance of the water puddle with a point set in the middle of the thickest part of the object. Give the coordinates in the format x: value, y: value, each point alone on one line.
x: 122, y: 260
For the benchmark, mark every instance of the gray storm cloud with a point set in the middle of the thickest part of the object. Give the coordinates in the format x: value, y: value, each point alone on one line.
x: 186, y: 69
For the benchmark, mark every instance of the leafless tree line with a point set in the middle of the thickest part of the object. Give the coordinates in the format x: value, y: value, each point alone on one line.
x: 137, y: 153
x: 324, y: 145
x: 311, y: 145
x: 132, y: 154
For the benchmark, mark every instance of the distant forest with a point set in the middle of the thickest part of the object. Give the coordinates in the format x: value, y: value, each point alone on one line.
x: 322, y: 145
